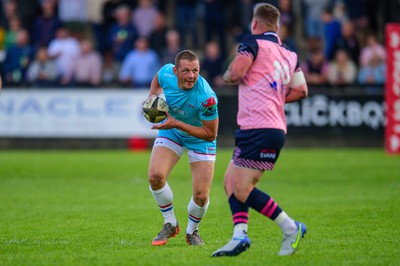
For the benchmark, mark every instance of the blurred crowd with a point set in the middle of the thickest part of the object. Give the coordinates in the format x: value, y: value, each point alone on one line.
x: 116, y: 43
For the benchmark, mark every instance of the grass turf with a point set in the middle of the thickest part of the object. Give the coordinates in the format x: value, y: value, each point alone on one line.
x: 94, y: 208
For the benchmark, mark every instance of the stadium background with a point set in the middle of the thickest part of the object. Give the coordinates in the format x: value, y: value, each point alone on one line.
x: 348, y: 113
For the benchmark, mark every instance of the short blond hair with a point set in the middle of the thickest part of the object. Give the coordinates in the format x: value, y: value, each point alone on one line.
x: 185, y: 55
x: 267, y: 14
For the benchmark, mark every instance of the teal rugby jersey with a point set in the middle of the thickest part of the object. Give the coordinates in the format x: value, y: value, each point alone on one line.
x: 188, y: 106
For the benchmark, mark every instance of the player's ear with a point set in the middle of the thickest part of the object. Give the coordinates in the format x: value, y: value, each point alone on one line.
x: 175, y: 71
x: 253, y: 24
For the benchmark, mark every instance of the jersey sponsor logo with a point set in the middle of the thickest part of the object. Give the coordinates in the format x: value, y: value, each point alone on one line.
x: 210, y: 111
x: 209, y: 102
x: 168, y: 75
x: 274, y: 85
x: 179, y: 112
x: 268, y: 154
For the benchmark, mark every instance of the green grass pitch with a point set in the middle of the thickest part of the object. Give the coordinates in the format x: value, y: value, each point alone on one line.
x: 95, y: 208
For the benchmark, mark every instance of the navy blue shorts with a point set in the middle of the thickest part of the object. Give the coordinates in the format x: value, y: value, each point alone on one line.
x: 258, y: 148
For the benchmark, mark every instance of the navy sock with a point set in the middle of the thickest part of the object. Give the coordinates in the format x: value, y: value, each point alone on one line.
x: 240, y: 212
x: 263, y: 203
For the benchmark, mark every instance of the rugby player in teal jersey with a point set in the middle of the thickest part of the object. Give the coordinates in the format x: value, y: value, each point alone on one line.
x: 192, y: 125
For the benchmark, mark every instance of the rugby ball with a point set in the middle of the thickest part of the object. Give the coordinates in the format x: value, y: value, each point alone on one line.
x: 154, y: 109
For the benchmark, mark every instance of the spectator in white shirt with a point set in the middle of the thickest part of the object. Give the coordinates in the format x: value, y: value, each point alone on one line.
x: 64, y: 49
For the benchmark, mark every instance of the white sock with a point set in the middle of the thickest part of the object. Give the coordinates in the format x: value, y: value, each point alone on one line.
x: 240, y: 230
x: 164, y: 199
x: 287, y: 224
x: 196, y: 213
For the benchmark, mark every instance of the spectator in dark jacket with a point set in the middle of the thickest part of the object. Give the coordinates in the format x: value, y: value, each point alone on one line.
x: 348, y: 41
x: 122, y: 34
x: 18, y: 58
x: 45, y: 26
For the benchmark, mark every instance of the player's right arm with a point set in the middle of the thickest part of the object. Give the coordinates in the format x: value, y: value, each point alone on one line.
x: 247, y: 52
x: 238, y: 68
x: 155, y: 87
x: 298, y: 88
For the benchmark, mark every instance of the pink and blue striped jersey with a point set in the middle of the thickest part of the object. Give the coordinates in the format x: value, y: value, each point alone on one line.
x: 263, y: 88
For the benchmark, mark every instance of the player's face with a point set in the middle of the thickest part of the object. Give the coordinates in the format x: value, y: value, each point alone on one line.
x: 187, y: 73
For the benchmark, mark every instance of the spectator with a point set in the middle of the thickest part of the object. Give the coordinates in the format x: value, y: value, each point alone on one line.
x: 10, y: 11
x: 18, y: 58
x: 122, y: 34
x: 95, y: 19
x: 110, y: 69
x: 73, y: 10
x: 332, y: 31
x: 42, y: 71
x: 286, y: 37
x: 74, y: 15
x: 158, y: 37
x: 340, y: 11
x: 357, y: 13
x: 314, y: 25
x: 315, y: 68
x: 143, y: 17
x: 371, y: 49
x: 86, y: 69
x: 108, y: 12
x: 2, y: 38
x: 212, y: 65
x: 287, y: 15
x: 46, y: 25
x: 348, y: 41
x: 28, y: 11
x: 342, y: 70
x: 245, y: 14
x: 140, y: 65
x: 11, y: 35
x: 173, y: 47
x: 64, y: 49
x: 215, y: 22
x: 374, y: 73
x: 2, y: 17
x: 186, y: 21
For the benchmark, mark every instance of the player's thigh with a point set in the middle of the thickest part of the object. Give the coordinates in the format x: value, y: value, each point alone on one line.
x: 165, y: 154
x: 162, y: 161
x: 202, y: 176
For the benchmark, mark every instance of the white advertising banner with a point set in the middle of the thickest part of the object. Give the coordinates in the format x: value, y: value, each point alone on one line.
x: 63, y: 113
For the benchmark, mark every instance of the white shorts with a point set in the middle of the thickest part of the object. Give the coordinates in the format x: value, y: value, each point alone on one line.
x: 178, y: 149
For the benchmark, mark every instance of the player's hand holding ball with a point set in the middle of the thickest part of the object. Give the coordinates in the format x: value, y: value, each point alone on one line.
x: 169, y: 123
x: 155, y: 109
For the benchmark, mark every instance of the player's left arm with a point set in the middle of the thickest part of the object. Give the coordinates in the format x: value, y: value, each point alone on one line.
x: 208, y: 131
x: 298, y: 88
